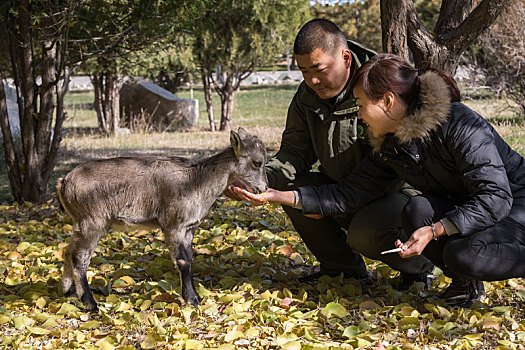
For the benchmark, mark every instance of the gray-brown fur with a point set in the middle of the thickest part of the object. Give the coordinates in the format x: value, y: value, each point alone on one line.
x: 170, y: 193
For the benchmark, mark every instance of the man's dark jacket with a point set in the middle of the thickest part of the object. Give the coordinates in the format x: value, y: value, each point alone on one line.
x: 443, y: 149
x: 317, y: 130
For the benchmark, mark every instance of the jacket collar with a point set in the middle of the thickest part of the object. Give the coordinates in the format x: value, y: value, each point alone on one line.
x: 344, y: 103
x: 430, y: 112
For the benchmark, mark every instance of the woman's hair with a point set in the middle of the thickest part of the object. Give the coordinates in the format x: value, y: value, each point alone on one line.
x: 387, y: 72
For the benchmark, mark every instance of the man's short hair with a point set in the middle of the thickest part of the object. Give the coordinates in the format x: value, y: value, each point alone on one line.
x: 321, y: 34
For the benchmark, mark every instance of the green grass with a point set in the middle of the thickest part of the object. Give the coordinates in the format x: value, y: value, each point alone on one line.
x: 254, y: 105
x: 80, y: 111
x: 79, y: 98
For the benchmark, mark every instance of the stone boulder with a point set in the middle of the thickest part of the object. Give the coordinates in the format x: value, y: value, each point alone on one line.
x: 145, y: 103
x: 12, y: 112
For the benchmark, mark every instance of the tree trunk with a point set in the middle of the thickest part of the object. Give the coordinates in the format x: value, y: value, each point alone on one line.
x: 111, y: 98
x: 11, y: 156
x: 32, y: 178
x: 394, y: 28
x: 227, y: 95
x: 60, y: 116
x: 14, y: 53
x: 45, y: 116
x: 98, y: 104
x: 206, y: 86
x: 227, y: 102
x: 107, y: 87
x: 451, y: 14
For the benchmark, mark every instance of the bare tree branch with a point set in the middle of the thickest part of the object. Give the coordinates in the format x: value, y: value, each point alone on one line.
x: 451, y: 14
x: 458, y: 39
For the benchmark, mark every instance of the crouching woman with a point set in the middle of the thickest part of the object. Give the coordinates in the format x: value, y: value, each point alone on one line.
x: 469, y: 219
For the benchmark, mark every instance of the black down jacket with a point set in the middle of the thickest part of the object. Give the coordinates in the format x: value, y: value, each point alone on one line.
x: 441, y: 148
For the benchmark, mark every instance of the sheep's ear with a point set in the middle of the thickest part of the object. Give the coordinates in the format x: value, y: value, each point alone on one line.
x: 236, y: 143
x: 242, y: 133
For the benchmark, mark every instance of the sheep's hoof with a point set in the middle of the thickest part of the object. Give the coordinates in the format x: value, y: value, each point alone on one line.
x: 194, y: 300
x: 92, y: 308
x: 71, y: 293
x: 196, y: 303
x: 90, y: 303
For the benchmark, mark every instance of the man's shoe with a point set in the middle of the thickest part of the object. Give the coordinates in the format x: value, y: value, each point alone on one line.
x: 407, y: 280
x: 463, y: 292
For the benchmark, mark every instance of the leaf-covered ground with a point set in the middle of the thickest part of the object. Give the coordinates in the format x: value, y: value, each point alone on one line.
x: 246, y: 267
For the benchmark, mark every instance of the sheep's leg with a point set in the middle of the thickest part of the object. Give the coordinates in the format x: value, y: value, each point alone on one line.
x: 77, y: 259
x: 179, y: 242
x: 68, y: 283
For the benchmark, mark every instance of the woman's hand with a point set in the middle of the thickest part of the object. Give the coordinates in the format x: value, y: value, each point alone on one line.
x: 229, y: 192
x: 270, y: 196
x: 416, y: 243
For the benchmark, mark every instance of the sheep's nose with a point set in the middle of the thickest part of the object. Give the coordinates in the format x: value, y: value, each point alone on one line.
x: 262, y: 189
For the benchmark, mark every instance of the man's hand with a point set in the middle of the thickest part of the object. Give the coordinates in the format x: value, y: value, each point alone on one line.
x: 416, y: 243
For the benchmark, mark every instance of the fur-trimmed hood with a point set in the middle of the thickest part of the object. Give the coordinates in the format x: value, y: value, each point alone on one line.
x: 434, y: 105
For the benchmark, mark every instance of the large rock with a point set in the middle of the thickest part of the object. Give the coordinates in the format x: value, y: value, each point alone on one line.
x: 145, y: 102
x: 12, y: 112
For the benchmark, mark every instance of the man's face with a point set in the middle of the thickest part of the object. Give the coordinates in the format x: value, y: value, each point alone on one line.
x: 326, y: 74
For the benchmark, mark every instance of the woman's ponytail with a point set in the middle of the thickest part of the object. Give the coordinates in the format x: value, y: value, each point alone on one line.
x: 455, y: 95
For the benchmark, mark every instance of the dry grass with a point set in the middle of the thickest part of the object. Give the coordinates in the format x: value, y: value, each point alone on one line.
x: 493, y: 109
x: 513, y: 133
x: 260, y: 110
x: 191, y: 143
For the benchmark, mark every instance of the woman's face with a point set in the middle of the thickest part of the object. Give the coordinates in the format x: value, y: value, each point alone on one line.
x: 380, y: 115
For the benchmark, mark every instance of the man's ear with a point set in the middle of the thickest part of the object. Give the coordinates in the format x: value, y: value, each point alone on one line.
x: 347, y: 57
